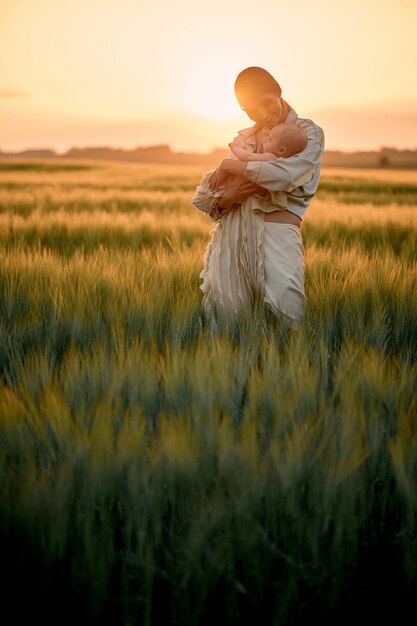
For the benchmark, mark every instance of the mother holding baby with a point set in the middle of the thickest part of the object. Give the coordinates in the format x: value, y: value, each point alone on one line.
x: 258, y: 198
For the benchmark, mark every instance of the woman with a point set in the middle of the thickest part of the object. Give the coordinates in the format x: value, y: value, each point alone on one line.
x: 255, y: 247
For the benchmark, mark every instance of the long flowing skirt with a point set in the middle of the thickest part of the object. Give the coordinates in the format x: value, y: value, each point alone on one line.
x: 247, y: 256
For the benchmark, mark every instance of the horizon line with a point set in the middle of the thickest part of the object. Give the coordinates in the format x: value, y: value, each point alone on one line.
x: 168, y: 147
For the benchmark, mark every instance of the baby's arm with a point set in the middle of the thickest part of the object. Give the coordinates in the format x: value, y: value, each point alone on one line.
x: 243, y: 154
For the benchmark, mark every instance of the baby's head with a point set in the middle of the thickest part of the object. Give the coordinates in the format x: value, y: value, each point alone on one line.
x: 285, y: 140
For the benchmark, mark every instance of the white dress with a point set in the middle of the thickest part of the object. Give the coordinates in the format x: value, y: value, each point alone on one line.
x: 247, y: 255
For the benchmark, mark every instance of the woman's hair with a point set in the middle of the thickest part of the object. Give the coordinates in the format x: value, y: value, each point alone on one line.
x: 254, y: 81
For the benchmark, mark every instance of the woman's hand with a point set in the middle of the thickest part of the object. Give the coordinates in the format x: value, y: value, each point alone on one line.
x: 237, y: 190
x: 217, y: 179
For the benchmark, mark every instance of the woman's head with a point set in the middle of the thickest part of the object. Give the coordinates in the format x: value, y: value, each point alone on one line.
x: 259, y: 95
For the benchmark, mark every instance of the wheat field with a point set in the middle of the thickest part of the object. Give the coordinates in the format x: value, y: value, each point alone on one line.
x: 152, y: 474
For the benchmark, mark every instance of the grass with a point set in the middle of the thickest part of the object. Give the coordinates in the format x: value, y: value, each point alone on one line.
x: 40, y: 166
x: 375, y: 191
x: 151, y: 473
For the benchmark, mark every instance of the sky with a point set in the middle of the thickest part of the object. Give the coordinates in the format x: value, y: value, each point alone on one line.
x: 142, y: 72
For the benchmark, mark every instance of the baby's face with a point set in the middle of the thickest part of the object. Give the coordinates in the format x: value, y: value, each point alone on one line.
x: 273, y: 143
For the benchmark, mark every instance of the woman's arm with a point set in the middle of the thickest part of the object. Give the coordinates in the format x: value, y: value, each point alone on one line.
x: 236, y: 187
x: 214, y: 204
x: 295, y: 171
x: 233, y: 166
x: 237, y: 190
x: 228, y: 166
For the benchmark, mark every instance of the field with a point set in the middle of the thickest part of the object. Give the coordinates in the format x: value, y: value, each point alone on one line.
x: 152, y: 474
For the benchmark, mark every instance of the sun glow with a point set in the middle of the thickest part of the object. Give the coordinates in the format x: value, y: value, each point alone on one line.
x: 208, y: 89
x: 101, y: 72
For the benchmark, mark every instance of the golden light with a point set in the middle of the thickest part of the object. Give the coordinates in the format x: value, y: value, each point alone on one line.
x: 101, y: 63
x: 208, y: 87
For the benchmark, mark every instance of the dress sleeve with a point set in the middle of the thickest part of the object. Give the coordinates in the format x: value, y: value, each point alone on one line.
x: 285, y: 174
x: 205, y: 200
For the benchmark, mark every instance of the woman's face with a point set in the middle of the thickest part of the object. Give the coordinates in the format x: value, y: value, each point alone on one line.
x: 266, y: 108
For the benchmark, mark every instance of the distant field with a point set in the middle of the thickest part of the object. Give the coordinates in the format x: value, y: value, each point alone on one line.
x: 151, y: 474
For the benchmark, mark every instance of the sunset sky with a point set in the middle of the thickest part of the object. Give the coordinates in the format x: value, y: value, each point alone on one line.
x: 139, y: 72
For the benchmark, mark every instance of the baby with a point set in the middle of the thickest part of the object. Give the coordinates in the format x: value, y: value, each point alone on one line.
x: 284, y: 140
